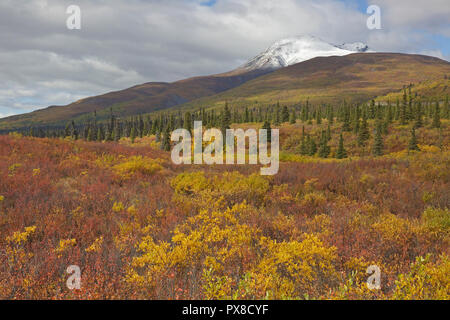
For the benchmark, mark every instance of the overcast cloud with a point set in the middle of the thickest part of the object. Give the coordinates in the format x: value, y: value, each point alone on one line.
x: 126, y: 42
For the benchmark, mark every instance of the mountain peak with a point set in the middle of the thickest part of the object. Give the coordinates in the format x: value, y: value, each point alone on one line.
x: 292, y: 50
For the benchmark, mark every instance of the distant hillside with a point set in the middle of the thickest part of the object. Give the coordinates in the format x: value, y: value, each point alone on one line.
x: 139, y: 99
x: 356, y: 78
x: 429, y: 89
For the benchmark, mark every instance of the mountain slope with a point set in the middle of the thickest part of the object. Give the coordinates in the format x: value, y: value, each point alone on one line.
x: 293, y: 50
x: 356, y: 78
x: 144, y: 98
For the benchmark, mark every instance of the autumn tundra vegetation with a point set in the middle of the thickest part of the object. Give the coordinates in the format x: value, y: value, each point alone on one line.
x: 358, y: 185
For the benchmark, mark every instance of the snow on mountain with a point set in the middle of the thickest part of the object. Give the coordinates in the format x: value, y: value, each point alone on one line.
x: 293, y: 50
x: 355, y: 47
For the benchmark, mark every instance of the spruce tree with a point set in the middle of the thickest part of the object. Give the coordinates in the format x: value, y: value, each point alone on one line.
x: 285, y: 114
x: 363, y: 134
x: 318, y: 117
x: 372, y: 109
x: 330, y: 115
x: 132, y: 134
x: 377, y: 149
x: 436, y: 116
x: 165, y: 143
x: 403, y: 112
x: 89, y: 135
x: 303, y: 147
x: 341, y: 153
x: 413, y: 141
x: 346, y: 124
x: 276, y: 118
x: 356, y: 124
x: 312, y: 147
x: 117, y: 133
x: 100, y: 134
x: 266, y: 126
x: 328, y: 132
x: 418, y: 115
x: 246, y: 116
x: 225, y: 120
x: 187, y: 122
x: 292, y: 118
x: 324, y: 149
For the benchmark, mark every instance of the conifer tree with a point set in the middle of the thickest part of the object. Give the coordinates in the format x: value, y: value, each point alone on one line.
x: 324, y: 149
x: 413, y: 141
x: 285, y: 114
x: 141, y: 126
x: 133, y: 134
x: 330, y: 115
x: 356, y: 124
x: 67, y: 130
x: 100, y: 134
x: 372, y: 109
x: 276, y: 119
x: 292, y: 118
x: 246, y: 116
x: 303, y: 145
x: 418, y: 115
x: 346, y: 124
x: 403, y: 112
x: 363, y: 134
x: 397, y: 110
x: 165, y: 143
x: 328, y: 132
x: 89, y: 134
x: 312, y: 147
x: 266, y: 126
x: 341, y: 153
x: 225, y: 120
x: 187, y: 122
x: 377, y: 149
x: 436, y: 116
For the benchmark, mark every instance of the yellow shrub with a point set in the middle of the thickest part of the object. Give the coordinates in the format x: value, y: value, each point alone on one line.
x: 118, y: 207
x: 436, y: 223
x: 64, y: 245
x: 426, y: 280
x: 392, y: 229
x: 137, y: 164
x: 96, y: 245
x: 297, y: 269
x: 230, y: 188
x: 21, y: 237
x: 214, y: 241
x: 190, y: 183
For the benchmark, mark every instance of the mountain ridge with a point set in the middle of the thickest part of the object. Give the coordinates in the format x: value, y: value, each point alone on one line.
x: 289, y: 51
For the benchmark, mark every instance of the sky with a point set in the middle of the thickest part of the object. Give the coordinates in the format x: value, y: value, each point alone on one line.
x: 122, y: 43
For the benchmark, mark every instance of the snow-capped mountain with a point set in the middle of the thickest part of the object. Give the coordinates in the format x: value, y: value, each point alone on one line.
x: 293, y: 50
